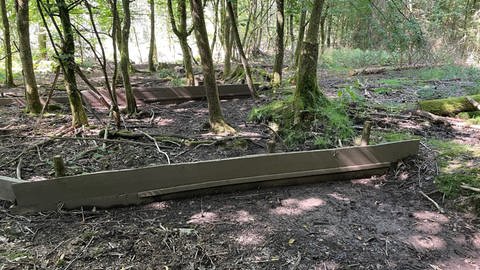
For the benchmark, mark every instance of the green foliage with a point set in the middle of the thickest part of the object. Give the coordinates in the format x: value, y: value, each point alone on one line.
x: 447, y: 72
x: 383, y: 137
x: 328, y: 122
x: 458, y: 165
x: 346, y: 59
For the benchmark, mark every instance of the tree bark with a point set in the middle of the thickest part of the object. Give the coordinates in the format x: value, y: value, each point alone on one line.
x: 182, y: 34
x: 245, y: 64
x: 7, y: 45
x: 217, y: 122
x: 301, y: 34
x: 125, y: 58
x: 79, y: 117
x: 227, y: 40
x: 280, y: 46
x: 31, y: 91
x: 152, y: 50
x: 307, y: 93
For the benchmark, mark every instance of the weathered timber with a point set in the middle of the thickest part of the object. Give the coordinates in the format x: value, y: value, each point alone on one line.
x: 168, y: 95
x: 135, y: 186
x: 6, y: 191
x: 21, y: 100
x: 380, y: 70
x: 449, y: 106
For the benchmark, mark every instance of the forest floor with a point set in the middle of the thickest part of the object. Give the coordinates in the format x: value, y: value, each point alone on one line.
x: 378, y: 223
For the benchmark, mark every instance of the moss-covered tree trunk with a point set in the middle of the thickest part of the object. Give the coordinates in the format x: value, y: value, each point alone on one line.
x: 280, y: 46
x: 125, y: 58
x: 217, y: 122
x: 307, y: 93
x: 301, y: 35
x: 42, y: 43
x: 182, y: 34
x: 7, y: 46
x: 152, y: 52
x: 79, y: 117
x: 227, y: 40
x: 31, y: 90
x: 236, y: 35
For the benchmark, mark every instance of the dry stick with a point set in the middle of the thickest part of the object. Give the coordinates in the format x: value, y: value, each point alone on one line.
x: 474, y: 103
x: 156, y: 144
x: 81, y: 253
x: 465, y: 186
x: 19, y: 169
x: 432, y: 201
x: 367, y: 126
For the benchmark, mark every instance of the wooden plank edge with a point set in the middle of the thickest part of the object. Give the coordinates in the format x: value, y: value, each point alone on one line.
x: 6, y: 188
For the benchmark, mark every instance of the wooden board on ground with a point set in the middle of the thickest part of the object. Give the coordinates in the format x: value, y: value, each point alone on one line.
x: 166, y: 95
x: 135, y: 186
x: 21, y: 100
x: 6, y: 191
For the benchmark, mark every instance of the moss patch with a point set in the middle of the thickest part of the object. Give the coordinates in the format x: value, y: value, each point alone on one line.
x: 448, y: 106
x: 458, y: 165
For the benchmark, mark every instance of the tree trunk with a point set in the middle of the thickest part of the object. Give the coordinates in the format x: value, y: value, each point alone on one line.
x: 307, y: 93
x: 42, y: 43
x: 31, y: 91
x: 152, y: 50
x: 217, y: 122
x: 125, y: 58
x: 301, y: 34
x: 227, y: 40
x: 79, y: 116
x: 280, y: 46
x: 236, y: 36
x: 182, y: 34
x: 7, y: 45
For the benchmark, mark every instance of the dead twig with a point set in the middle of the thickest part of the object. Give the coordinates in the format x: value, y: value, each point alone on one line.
x: 467, y: 187
x: 440, y: 209
x: 156, y: 144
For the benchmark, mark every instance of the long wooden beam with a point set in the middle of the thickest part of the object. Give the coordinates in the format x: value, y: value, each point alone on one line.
x: 135, y: 186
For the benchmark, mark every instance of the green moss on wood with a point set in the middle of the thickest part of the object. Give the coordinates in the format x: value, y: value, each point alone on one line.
x: 448, y: 106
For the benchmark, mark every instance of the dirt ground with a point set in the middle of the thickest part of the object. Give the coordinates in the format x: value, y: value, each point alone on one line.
x: 378, y: 223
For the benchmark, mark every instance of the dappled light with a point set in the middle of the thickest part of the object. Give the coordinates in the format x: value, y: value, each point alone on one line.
x: 427, y: 242
x: 241, y: 217
x: 431, y: 216
x: 339, y: 197
x: 295, y: 207
x: 249, y: 237
x: 327, y: 265
x: 156, y: 206
x: 163, y: 122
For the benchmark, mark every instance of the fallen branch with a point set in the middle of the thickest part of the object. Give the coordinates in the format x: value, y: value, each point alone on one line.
x: 440, y: 209
x: 379, y: 70
x: 158, y: 147
x: 464, y: 186
x: 474, y: 103
x: 450, y: 106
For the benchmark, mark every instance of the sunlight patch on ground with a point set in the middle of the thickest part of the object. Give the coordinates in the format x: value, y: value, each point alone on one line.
x: 430, y: 227
x: 458, y: 263
x: 339, y: 197
x: 427, y: 242
x: 164, y: 122
x: 476, y: 240
x: 431, y: 216
x: 295, y: 207
x: 203, y: 218
x: 242, y: 217
x: 249, y: 238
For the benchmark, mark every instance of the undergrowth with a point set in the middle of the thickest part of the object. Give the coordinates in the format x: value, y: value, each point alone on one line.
x: 458, y: 166
x: 346, y: 59
x: 327, y: 123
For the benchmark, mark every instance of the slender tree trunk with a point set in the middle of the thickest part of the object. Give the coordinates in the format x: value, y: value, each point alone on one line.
x: 292, y: 35
x: 79, y: 116
x: 182, y: 34
x: 7, y: 45
x: 42, y: 43
x: 31, y: 91
x: 280, y: 46
x: 217, y: 122
x: 307, y: 93
x: 301, y: 34
x: 152, y: 50
x: 236, y: 36
x: 227, y: 40
x: 125, y: 58
x: 323, y: 33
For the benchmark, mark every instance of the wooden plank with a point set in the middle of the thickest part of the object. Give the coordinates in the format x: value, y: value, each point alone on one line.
x: 134, y: 186
x: 6, y: 191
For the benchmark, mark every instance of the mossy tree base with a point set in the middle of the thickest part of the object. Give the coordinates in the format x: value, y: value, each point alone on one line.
x: 221, y: 127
